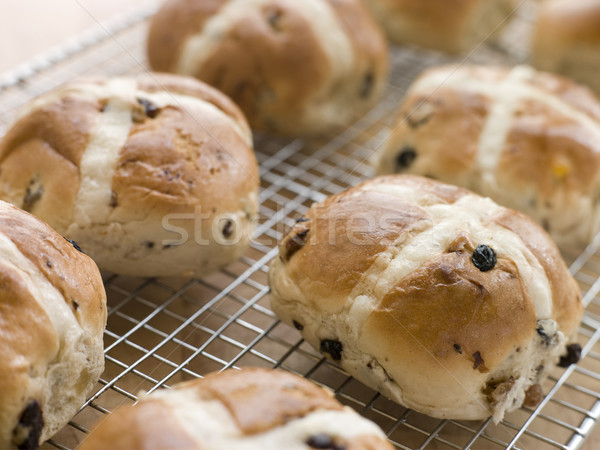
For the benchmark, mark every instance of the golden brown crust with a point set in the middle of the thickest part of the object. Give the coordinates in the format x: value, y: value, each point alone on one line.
x: 368, y: 46
x: 260, y: 399
x: 156, y: 82
x: 526, y: 139
x: 567, y: 304
x: 46, y: 146
x: 566, y: 40
x: 439, y: 24
x: 55, y: 257
x: 143, y: 426
x: 165, y: 144
x: 254, y: 402
x: 21, y: 316
x: 341, y: 244
x: 545, y: 139
x: 273, y: 60
x: 570, y: 92
x: 573, y: 22
x: 258, y: 62
x: 170, y: 29
x: 468, y: 297
x: 242, y: 64
x: 448, y: 310
x: 64, y: 125
x: 40, y: 155
x: 205, y: 164
x: 434, y: 15
x: 446, y: 193
x: 34, y: 171
x: 426, y: 121
x: 41, y: 344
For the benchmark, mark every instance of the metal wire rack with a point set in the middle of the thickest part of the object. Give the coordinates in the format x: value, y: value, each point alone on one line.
x: 162, y: 331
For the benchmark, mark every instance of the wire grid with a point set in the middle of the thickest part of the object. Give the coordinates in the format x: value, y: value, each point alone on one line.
x: 163, y: 331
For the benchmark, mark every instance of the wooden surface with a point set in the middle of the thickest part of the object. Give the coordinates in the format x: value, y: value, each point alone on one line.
x: 31, y: 27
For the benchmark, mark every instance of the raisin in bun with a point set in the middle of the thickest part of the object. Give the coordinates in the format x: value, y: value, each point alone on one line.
x: 238, y: 409
x: 294, y: 67
x: 567, y: 40
x: 529, y: 140
x: 152, y: 176
x: 451, y: 26
x: 438, y: 298
x: 52, y: 318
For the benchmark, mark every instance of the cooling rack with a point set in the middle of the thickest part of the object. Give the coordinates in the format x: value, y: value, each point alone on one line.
x: 163, y: 331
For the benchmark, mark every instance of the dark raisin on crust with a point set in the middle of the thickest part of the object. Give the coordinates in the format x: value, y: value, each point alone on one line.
x: 546, y: 225
x: 274, y: 20
x: 572, y: 357
x: 149, y: 244
x: 33, y: 194
x: 75, y: 305
x: 228, y: 228
x: 75, y: 245
x: 484, y: 258
x: 323, y: 441
x: 366, y: 87
x: 295, y: 243
x: 406, y: 157
x: 458, y: 348
x: 320, y: 441
x: 150, y: 108
x: 479, y: 363
x: 26, y: 434
x: 297, y: 325
x: 333, y: 347
x: 114, y: 201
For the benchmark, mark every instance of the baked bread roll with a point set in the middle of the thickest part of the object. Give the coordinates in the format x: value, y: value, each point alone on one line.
x: 153, y: 176
x: 527, y: 139
x: 294, y: 67
x: 436, y: 297
x: 52, y: 318
x: 450, y: 26
x: 567, y: 40
x: 248, y: 409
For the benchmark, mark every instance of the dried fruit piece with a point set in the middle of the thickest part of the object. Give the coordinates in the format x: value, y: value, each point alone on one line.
x: 572, y: 357
x: 295, y: 243
x: 333, y: 347
x: 484, y: 258
x: 367, y: 85
x: 26, y: 434
x: 228, y: 229
x: 406, y: 157
x: 76, y: 245
x: 150, y: 108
